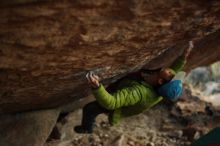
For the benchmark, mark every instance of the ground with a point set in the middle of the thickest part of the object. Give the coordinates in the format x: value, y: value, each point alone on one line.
x: 167, y: 124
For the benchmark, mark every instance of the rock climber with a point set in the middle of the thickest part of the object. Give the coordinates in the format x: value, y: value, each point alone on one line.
x: 132, y: 96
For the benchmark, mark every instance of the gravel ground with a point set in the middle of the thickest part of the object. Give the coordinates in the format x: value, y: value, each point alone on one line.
x: 164, y: 125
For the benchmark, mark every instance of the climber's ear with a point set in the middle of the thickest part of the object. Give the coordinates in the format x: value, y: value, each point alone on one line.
x: 160, y: 81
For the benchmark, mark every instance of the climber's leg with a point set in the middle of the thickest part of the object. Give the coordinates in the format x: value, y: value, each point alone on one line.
x: 90, y: 112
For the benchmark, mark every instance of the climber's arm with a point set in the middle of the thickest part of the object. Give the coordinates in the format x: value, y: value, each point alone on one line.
x: 121, y: 98
x: 181, y: 61
x: 178, y: 64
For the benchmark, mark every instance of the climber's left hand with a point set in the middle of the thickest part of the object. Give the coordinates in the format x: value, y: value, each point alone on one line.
x: 93, y: 79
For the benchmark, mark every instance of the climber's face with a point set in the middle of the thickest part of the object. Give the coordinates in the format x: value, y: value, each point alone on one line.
x: 165, y: 75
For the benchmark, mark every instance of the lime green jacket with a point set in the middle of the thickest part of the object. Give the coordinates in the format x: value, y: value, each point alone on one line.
x: 132, y: 97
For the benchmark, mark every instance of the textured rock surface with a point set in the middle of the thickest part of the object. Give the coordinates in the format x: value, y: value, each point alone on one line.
x: 47, y: 47
x: 27, y: 129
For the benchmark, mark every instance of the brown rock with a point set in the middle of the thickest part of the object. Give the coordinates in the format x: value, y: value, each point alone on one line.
x: 27, y: 129
x: 151, y: 144
x: 48, y: 46
x: 119, y: 141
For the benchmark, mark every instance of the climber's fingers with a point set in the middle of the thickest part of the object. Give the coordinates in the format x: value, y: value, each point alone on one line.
x: 88, y: 77
x: 189, y: 49
x: 95, y: 80
x: 191, y: 44
x: 92, y: 79
x: 96, y: 77
x: 93, y: 76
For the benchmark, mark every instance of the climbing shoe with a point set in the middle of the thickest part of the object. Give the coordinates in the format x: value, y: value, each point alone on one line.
x: 81, y: 129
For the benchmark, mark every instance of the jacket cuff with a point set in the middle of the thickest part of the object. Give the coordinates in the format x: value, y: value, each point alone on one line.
x: 98, y: 91
x: 182, y: 59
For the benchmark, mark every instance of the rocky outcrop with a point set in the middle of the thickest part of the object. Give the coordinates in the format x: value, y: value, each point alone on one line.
x: 207, y: 51
x: 27, y: 129
x: 48, y: 46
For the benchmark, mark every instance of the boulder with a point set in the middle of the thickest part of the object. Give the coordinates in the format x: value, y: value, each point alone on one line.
x: 27, y: 129
x: 48, y: 46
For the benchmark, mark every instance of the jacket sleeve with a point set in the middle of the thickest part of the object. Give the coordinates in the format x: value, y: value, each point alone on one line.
x: 137, y: 109
x: 178, y: 64
x: 120, y: 98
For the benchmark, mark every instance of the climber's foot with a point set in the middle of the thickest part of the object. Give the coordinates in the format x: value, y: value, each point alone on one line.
x: 81, y: 129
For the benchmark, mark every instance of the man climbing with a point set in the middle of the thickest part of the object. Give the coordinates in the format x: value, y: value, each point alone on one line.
x: 132, y: 96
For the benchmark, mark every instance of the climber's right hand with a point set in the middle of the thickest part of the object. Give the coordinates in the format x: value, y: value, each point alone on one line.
x: 93, y: 79
x: 189, y: 49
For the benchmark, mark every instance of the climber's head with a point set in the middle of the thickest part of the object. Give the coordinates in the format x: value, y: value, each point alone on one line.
x: 167, y: 83
x: 165, y: 75
x: 168, y: 88
x: 171, y: 90
x: 157, y: 77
